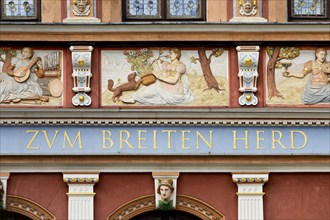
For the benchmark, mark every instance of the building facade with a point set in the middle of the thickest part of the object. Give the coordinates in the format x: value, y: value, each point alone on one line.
x: 165, y: 109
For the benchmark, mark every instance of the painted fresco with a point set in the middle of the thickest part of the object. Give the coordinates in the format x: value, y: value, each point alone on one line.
x: 165, y: 77
x: 298, y: 76
x: 31, y: 77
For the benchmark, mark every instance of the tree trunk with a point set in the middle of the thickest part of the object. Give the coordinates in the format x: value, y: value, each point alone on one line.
x: 272, y: 90
x: 207, y: 73
x: 7, y: 62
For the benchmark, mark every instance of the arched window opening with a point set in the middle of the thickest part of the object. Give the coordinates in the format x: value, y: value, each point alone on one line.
x: 166, y: 215
x: 12, y: 216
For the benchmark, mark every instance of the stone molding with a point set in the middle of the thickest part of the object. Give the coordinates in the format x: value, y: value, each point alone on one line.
x: 184, y: 203
x: 168, y: 122
x: 28, y: 208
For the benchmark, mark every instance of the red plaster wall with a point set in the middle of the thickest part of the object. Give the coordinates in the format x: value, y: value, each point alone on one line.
x: 114, y: 190
x: 48, y: 190
x: 216, y: 189
x: 297, y: 196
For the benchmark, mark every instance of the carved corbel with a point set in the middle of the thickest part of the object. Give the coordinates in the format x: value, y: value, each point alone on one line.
x: 248, y: 58
x: 81, y: 63
x: 165, y: 190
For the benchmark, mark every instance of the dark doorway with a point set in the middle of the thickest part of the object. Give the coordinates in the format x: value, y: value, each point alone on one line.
x: 166, y: 215
x: 5, y: 215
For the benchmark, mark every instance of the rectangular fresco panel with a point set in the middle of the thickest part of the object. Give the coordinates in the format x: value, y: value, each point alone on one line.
x: 31, y: 77
x: 298, y: 76
x: 165, y: 77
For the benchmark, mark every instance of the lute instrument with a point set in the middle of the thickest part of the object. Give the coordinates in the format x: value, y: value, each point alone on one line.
x: 23, y: 73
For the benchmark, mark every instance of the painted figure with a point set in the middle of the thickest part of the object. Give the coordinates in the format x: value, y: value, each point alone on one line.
x: 81, y: 7
x: 165, y: 190
x: 19, y: 79
x: 171, y: 86
x: 248, y: 7
x: 317, y: 90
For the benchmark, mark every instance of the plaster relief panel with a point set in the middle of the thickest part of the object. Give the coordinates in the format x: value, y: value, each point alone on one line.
x: 299, y: 76
x: 31, y: 77
x: 165, y: 77
x: 247, y: 11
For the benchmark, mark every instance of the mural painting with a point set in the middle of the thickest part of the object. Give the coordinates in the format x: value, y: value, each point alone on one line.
x: 298, y: 76
x: 30, y: 77
x: 165, y: 76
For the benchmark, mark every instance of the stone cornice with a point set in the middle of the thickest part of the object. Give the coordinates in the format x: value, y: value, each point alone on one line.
x: 174, y: 31
x: 175, y: 117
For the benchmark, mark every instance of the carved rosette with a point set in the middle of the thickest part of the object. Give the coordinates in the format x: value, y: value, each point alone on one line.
x: 81, y: 63
x: 248, y: 58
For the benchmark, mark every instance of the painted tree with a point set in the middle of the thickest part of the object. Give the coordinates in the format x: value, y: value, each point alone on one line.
x: 276, y: 54
x: 205, y: 64
x: 5, y: 56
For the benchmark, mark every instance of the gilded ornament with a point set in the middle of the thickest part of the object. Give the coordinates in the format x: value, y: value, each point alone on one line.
x: 248, y: 98
x: 81, y: 62
x: 248, y: 61
x: 81, y: 98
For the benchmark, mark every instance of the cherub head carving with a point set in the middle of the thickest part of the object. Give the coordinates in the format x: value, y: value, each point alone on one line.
x: 165, y: 189
x: 81, y: 7
x: 248, y: 7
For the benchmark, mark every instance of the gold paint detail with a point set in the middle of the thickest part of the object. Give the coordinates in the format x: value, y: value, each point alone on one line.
x: 81, y: 98
x: 28, y: 208
x: 248, y: 61
x: 81, y: 62
x: 184, y: 203
x: 80, y: 180
x: 250, y: 180
x: 248, y: 97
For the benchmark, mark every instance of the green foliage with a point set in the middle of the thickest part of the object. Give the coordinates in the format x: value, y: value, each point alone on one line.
x: 287, y: 53
x: 165, y: 205
x: 141, y: 61
x: 3, y: 50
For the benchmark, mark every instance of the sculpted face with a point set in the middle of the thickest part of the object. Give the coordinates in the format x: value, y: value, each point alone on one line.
x: 321, y: 56
x: 81, y: 5
x: 26, y: 53
x: 248, y: 5
x: 165, y: 192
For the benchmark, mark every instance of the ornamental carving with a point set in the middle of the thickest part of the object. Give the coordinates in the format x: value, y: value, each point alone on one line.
x: 81, y: 7
x: 248, y: 7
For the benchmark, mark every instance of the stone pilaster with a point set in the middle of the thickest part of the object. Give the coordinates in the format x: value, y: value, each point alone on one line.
x: 81, y: 195
x: 3, y: 178
x: 250, y: 195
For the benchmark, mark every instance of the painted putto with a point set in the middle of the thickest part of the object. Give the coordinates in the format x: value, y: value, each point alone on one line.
x: 304, y: 80
x: 165, y: 76
x: 30, y: 77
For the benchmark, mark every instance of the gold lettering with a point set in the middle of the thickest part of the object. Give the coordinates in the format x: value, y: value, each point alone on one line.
x: 50, y: 144
x: 200, y: 136
x: 169, y: 132
x: 292, y: 139
x: 121, y: 139
x: 155, y: 139
x: 106, y: 138
x: 66, y: 137
x: 185, y: 139
x: 141, y: 138
x: 245, y: 138
x: 277, y: 140
x: 259, y: 139
x: 28, y: 146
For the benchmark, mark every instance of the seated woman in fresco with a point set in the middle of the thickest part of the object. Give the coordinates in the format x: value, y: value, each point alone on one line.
x: 317, y: 89
x: 171, y: 86
x: 19, y: 79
